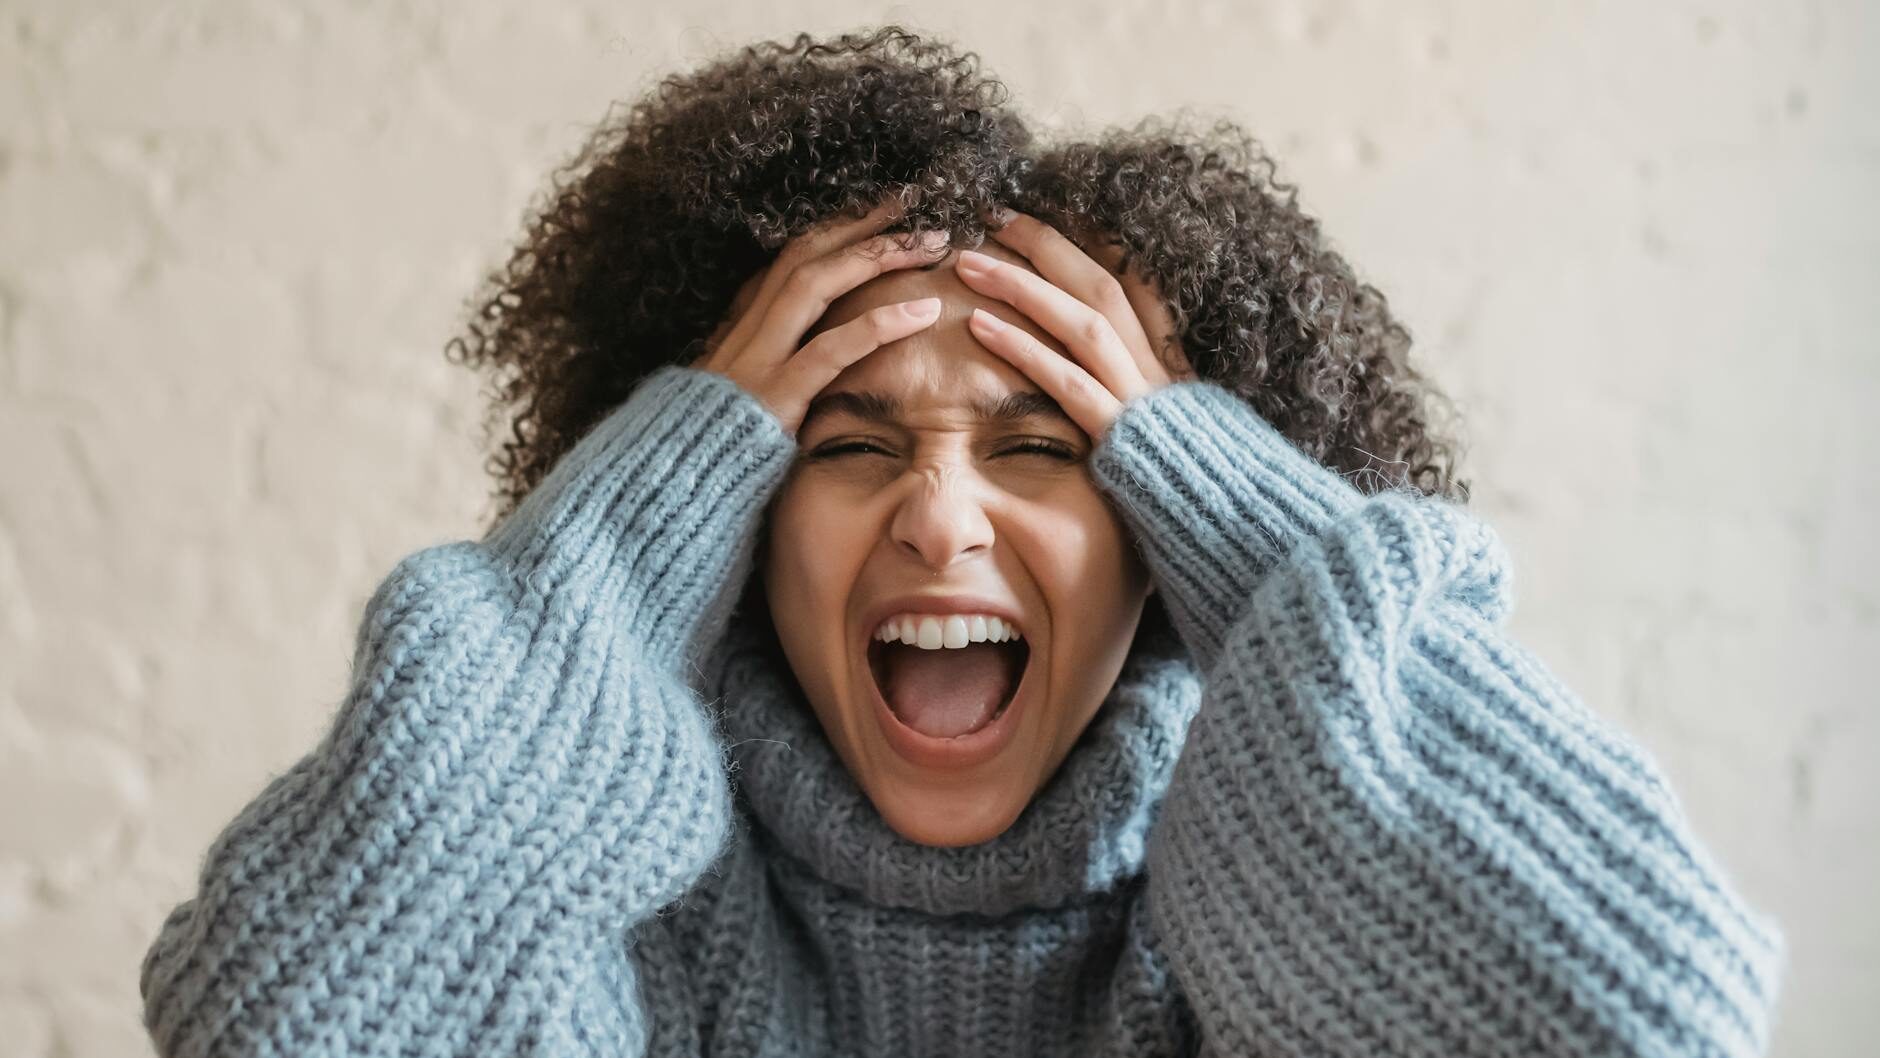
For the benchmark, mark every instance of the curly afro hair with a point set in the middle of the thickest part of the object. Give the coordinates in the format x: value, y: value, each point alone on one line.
x: 651, y: 228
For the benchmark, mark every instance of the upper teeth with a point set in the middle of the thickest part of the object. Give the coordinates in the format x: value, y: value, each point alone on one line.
x: 945, y: 632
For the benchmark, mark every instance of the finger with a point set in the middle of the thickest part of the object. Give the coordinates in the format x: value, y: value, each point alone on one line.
x: 740, y: 309
x: 1152, y: 310
x: 808, y: 292
x: 1087, y: 401
x: 1086, y: 332
x: 1167, y: 361
x: 818, y: 363
x: 819, y: 240
x: 1068, y: 267
x: 833, y: 233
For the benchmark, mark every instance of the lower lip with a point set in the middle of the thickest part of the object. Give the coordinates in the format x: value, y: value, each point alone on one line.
x: 965, y: 751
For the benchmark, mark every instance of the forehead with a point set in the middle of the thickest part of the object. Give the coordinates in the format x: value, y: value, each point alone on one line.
x: 942, y: 365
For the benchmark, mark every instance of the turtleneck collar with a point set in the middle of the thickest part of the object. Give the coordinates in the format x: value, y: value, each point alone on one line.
x: 1085, y: 833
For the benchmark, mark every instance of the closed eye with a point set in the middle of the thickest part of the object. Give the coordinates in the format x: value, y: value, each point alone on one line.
x: 1043, y: 448
x: 1030, y: 447
x: 850, y: 447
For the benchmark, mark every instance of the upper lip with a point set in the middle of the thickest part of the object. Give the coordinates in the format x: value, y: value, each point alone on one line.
x: 940, y: 605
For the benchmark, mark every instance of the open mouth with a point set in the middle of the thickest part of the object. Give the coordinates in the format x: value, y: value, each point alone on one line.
x: 951, y: 692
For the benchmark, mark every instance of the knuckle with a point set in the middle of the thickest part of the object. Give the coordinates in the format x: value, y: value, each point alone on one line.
x: 1078, y: 382
x: 886, y: 322
x: 1033, y: 351
x: 804, y: 285
x: 816, y: 354
x: 1109, y: 295
x: 872, y: 252
x: 1095, y: 329
x: 796, y: 251
x: 882, y: 249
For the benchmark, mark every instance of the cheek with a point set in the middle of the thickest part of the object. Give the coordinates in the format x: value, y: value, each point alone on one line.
x: 1094, y: 584
x: 1081, y: 554
x: 811, y: 555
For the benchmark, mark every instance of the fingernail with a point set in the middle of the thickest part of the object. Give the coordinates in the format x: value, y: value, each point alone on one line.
x: 923, y: 308
x: 987, y: 318
x: 935, y: 240
x: 974, y: 262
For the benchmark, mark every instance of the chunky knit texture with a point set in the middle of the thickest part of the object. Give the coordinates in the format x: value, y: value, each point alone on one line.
x: 574, y: 804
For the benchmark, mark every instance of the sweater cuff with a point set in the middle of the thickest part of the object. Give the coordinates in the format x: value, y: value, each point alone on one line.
x: 655, y: 509
x: 1216, y: 495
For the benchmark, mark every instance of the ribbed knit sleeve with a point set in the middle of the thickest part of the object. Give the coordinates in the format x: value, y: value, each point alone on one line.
x: 1392, y: 830
x: 519, y: 773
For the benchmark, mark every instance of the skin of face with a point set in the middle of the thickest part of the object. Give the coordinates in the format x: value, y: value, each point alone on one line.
x: 944, y: 504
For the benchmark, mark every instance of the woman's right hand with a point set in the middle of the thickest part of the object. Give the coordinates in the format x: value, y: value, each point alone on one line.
x: 757, y: 345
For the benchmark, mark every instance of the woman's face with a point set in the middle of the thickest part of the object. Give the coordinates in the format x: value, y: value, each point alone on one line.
x: 907, y: 504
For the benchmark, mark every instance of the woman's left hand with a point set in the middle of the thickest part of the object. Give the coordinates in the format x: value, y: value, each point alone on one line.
x: 1112, y: 323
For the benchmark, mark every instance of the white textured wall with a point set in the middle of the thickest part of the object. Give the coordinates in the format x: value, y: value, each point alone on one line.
x: 1637, y: 239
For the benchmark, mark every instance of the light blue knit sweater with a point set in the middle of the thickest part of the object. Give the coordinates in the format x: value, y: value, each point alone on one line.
x: 574, y: 805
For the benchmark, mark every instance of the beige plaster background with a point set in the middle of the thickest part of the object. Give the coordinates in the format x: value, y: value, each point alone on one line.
x: 1638, y: 241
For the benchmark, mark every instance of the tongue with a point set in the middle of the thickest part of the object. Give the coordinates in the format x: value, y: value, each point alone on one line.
x: 944, y: 693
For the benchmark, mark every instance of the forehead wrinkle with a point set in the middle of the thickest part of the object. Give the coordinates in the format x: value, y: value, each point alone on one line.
x: 940, y: 365
x: 870, y: 406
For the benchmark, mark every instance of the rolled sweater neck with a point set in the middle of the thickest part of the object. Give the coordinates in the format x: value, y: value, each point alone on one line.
x: 1083, y: 835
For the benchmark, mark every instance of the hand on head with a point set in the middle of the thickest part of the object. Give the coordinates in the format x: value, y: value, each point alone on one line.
x: 1111, y: 322
x: 757, y: 345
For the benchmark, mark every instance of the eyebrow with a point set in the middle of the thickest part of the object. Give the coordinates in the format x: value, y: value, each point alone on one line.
x: 879, y: 407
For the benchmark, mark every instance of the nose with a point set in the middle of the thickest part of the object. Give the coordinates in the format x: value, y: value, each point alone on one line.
x: 942, y: 521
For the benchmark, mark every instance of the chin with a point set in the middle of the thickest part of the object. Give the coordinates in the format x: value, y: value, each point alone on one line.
x: 948, y: 818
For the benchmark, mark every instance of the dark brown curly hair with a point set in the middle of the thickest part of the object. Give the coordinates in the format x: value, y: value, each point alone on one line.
x: 651, y: 228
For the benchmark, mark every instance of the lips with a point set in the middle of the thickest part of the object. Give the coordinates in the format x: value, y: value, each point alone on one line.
x: 975, y: 746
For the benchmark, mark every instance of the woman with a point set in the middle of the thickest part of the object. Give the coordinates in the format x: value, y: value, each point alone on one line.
x: 940, y: 652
